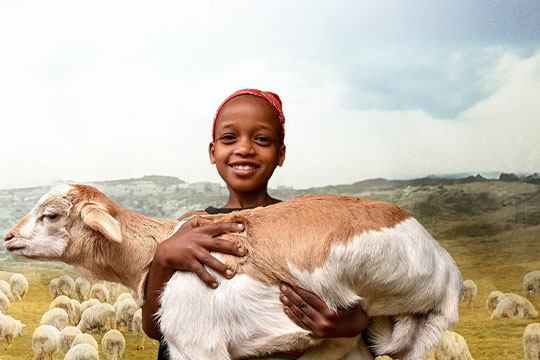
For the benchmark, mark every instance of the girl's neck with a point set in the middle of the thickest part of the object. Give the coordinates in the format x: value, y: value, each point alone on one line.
x: 239, y: 200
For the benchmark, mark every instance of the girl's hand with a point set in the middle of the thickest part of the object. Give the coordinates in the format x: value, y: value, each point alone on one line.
x: 308, y: 311
x: 189, y: 249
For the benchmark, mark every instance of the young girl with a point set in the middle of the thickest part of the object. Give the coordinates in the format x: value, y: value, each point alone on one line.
x: 247, y: 145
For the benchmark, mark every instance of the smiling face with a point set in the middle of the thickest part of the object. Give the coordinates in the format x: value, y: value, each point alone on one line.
x: 247, y: 146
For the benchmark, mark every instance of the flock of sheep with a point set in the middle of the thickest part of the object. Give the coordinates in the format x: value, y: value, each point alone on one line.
x: 509, y: 305
x: 76, y: 311
x: 500, y: 305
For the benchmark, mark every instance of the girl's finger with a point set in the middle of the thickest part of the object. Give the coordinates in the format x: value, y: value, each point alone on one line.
x: 216, y: 229
x: 223, y: 246
x: 204, y: 275
x: 207, y: 259
x: 293, y: 301
x: 198, y: 221
x: 299, y: 296
x: 295, y: 318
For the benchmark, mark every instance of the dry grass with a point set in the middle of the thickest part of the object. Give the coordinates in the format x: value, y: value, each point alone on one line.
x: 495, y: 262
x: 36, y: 303
x: 491, y: 230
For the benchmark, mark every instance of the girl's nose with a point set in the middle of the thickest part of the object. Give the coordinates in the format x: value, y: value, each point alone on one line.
x: 244, y: 147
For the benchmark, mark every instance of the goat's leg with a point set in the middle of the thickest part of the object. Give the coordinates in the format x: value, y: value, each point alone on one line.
x: 361, y: 352
x: 196, y: 351
x: 339, y: 348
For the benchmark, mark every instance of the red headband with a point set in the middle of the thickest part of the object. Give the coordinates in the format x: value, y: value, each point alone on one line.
x: 270, y: 97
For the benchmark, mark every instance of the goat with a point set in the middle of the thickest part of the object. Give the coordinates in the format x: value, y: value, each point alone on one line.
x: 347, y: 250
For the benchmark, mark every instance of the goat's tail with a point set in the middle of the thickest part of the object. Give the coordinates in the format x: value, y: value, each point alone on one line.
x: 409, y: 337
x: 406, y: 337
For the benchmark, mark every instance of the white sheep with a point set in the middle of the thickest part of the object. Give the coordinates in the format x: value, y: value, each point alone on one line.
x: 10, y: 328
x: 89, y: 303
x: 137, y: 329
x: 114, y: 290
x: 85, y: 339
x: 493, y: 299
x: 470, y: 290
x: 125, y: 311
x: 19, y: 286
x: 6, y: 289
x: 67, y: 335
x: 100, y: 292
x: 53, y: 288
x: 113, y: 344
x: 512, y: 305
x: 45, y: 341
x: 531, y: 283
x: 121, y: 298
x: 82, y: 352
x: 77, y: 311
x: 101, y: 317
x: 65, y: 303
x: 5, y: 304
x: 65, y: 285
x: 82, y: 288
x: 334, y: 246
x: 531, y: 341
x: 451, y: 347
x: 56, y: 317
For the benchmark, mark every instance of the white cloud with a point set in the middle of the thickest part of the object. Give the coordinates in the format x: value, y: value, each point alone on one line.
x: 115, y: 90
x: 499, y: 133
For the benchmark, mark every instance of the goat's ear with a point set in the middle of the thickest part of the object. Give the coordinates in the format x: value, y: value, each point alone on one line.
x: 96, y: 217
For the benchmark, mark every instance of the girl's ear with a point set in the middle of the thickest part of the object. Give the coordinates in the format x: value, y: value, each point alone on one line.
x: 281, y: 158
x: 211, y: 149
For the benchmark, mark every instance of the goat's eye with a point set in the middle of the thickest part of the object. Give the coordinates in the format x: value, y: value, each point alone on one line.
x: 51, y: 216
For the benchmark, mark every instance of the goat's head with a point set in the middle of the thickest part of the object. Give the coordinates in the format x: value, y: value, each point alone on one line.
x: 44, y: 233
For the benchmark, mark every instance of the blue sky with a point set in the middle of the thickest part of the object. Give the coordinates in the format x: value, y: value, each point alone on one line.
x: 395, y: 89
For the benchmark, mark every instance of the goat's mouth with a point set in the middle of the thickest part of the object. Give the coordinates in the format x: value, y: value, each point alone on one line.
x: 12, y: 247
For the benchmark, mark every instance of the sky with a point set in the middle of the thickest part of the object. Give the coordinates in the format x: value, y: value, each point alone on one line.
x: 108, y: 90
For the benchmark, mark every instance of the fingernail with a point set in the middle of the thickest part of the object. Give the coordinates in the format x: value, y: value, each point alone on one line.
x: 240, y: 225
x: 214, y: 285
x: 283, y: 298
x: 283, y: 288
x: 241, y: 249
x: 228, y: 272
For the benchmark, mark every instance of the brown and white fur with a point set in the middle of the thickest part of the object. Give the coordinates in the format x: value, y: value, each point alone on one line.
x: 347, y: 250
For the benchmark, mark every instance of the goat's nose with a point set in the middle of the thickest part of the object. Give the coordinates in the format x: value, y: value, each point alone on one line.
x: 9, y: 236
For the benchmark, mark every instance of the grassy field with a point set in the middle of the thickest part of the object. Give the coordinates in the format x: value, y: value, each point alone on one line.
x: 492, y: 230
x: 495, y: 263
x: 36, y: 303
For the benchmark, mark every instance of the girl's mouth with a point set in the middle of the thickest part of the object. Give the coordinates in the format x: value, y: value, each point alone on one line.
x: 243, y: 169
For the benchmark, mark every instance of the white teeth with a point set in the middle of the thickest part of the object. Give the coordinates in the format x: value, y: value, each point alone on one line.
x: 244, y: 167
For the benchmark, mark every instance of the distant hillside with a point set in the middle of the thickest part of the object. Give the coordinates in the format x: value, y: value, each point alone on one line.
x: 426, y: 198
x: 490, y: 227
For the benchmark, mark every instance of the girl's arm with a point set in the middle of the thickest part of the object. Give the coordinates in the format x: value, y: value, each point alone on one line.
x: 308, y: 311
x: 189, y: 250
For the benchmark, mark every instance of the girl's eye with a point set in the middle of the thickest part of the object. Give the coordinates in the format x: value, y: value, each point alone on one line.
x: 263, y: 140
x: 227, y: 138
x: 51, y: 216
